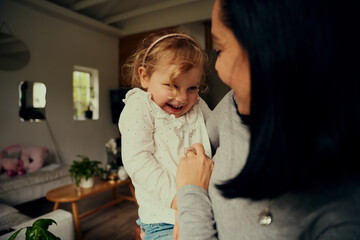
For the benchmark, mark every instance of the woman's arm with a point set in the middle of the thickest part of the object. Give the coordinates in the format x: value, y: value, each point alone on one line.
x: 195, y: 217
x: 136, y: 126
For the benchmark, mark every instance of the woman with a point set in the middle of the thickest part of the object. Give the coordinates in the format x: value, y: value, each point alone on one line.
x: 286, y: 147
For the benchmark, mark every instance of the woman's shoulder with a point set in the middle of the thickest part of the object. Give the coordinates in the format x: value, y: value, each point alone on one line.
x: 228, y: 98
x: 226, y: 108
x: 204, y: 108
x: 338, y: 217
x: 225, y: 104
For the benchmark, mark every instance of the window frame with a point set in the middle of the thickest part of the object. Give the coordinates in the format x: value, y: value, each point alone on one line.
x: 92, y: 98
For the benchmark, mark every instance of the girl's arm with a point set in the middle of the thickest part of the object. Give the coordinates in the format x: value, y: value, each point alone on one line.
x: 136, y: 126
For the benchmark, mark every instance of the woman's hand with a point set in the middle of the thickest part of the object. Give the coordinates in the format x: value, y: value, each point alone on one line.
x: 195, y: 168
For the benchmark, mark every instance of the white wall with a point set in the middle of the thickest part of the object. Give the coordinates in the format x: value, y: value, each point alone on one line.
x: 56, y: 46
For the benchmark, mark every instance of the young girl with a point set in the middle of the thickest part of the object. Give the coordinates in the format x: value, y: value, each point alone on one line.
x: 162, y: 116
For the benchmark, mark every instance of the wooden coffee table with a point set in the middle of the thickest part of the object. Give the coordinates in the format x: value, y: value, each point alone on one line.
x: 71, y: 194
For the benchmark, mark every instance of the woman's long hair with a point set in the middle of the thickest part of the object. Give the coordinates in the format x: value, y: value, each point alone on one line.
x: 305, y: 106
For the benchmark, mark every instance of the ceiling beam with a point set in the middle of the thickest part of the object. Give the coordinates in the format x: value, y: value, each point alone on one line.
x: 145, y: 10
x: 54, y: 10
x: 199, y: 11
x: 86, y: 4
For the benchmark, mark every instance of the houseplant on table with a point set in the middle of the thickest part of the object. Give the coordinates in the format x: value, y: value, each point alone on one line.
x: 83, y: 171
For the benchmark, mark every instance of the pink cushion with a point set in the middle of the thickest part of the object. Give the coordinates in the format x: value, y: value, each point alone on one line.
x: 33, y: 157
x: 9, y: 163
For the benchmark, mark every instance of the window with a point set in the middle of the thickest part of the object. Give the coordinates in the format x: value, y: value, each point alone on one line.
x: 85, y: 93
x: 39, y: 95
x: 32, y: 101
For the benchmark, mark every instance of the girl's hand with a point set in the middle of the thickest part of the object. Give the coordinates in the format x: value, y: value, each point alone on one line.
x: 195, y: 168
x: 142, y: 234
x: 176, y: 227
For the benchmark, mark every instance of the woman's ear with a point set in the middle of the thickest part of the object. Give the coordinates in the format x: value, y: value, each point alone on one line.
x: 144, y: 78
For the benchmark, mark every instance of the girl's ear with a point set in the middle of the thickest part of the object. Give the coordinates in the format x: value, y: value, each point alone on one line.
x: 144, y: 78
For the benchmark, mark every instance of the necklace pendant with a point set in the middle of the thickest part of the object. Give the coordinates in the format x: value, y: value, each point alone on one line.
x: 265, y: 217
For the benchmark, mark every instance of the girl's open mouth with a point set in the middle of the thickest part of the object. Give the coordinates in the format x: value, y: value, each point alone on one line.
x: 175, y: 108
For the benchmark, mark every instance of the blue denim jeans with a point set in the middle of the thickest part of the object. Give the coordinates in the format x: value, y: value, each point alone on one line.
x: 156, y: 231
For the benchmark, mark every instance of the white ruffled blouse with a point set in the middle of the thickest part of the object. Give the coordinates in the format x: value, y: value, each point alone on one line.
x: 153, y: 142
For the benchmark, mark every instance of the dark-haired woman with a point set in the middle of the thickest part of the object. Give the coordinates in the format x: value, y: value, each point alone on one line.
x: 286, y: 139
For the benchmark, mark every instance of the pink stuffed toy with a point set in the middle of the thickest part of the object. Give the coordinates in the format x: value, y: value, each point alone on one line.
x: 10, y: 162
x: 33, y: 157
x: 15, y: 160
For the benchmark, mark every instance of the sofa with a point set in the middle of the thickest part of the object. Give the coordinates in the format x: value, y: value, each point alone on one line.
x: 12, y: 218
x: 42, y: 173
x: 33, y: 185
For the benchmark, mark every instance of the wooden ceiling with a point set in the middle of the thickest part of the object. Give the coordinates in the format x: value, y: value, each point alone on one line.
x: 126, y: 17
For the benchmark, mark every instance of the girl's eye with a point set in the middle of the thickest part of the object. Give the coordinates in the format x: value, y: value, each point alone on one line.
x: 193, y: 88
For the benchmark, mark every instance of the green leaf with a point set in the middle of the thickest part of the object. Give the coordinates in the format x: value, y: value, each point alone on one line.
x: 84, y: 168
x: 38, y: 231
x: 51, y: 236
x: 43, y: 223
x: 30, y: 234
x: 15, y: 234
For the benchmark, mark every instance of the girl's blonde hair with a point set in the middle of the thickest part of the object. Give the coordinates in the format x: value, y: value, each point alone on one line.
x: 179, y: 48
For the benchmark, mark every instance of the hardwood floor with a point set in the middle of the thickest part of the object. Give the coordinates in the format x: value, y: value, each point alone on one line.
x: 115, y: 222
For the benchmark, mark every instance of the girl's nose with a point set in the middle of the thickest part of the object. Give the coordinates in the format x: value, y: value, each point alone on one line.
x: 181, y: 96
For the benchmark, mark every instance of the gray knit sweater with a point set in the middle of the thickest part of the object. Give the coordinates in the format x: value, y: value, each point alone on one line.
x: 328, y: 214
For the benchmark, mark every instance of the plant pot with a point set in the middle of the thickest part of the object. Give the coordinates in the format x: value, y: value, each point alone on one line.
x: 88, y: 114
x: 122, y: 173
x: 87, y: 183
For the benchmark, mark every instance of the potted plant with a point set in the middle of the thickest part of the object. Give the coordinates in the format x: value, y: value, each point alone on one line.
x: 84, y: 170
x: 89, y: 113
x: 39, y: 230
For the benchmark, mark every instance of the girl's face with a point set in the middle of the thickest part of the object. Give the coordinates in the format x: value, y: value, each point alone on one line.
x: 232, y: 63
x: 186, y: 85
